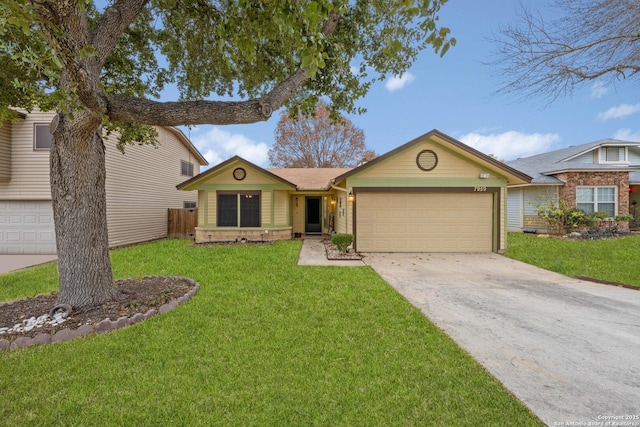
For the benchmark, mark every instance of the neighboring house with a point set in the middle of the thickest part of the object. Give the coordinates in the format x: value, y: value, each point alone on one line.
x: 597, y: 176
x: 140, y: 185
x: 432, y: 194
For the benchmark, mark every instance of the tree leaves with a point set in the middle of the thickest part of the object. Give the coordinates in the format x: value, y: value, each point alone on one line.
x: 231, y: 49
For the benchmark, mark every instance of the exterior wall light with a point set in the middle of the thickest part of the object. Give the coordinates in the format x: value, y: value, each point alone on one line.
x: 351, y: 195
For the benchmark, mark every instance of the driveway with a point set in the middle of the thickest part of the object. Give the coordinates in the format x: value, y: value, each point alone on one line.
x: 568, y: 349
x: 16, y: 262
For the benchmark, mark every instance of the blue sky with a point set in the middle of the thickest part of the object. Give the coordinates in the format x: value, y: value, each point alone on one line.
x: 456, y: 95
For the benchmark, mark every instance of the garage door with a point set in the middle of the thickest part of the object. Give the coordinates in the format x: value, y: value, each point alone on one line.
x: 424, y: 222
x: 26, y: 227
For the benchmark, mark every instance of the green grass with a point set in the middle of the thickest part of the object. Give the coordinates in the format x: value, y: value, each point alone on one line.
x: 614, y: 260
x: 264, y: 342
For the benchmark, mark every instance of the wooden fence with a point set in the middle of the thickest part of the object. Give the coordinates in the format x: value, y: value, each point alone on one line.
x: 181, y: 223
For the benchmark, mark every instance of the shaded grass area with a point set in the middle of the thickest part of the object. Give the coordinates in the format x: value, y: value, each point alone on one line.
x: 264, y: 342
x: 614, y: 260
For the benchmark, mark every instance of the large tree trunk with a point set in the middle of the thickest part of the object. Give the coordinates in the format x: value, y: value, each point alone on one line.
x: 79, y: 210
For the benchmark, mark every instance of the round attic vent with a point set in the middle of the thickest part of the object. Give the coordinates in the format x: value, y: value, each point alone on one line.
x: 239, y: 174
x: 427, y: 160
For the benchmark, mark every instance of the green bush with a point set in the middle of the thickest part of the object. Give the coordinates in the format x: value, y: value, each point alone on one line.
x: 342, y: 241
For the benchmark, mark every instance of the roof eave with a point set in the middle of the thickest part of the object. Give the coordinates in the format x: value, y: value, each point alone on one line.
x: 460, y: 145
x: 188, y: 144
x: 187, y: 185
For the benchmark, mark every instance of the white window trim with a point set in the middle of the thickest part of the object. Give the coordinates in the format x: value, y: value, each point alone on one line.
x: 602, y: 156
x: 595, y: 196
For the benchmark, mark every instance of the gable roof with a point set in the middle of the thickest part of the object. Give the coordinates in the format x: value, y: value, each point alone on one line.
x: 202, y: 176
x: 542, y: 166
x: 310, y: 178
x: 457, y: 146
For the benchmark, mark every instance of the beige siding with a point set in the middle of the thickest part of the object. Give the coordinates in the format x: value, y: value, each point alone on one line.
x: 265, y: 209
x: 403, y: 165
x: 298, y: 214
x: 424, y: 222
x: 201, y: 207
x: 225, y: 176
x: 5, y: 152
x: 341, y: 213
x: 211, y: 208
x: 29, y: 168
x: 281, y: 208
x: 141, y: 186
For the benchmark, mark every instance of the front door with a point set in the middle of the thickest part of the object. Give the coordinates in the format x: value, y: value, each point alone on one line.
x: 313, y: 223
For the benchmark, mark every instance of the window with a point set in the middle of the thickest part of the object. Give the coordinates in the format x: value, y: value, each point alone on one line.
x: 41, y: 137
x: 613, y: 155
x: 239, y: 208
x: 189, y: 205
x: 186, y: 168
x: 593, y: 199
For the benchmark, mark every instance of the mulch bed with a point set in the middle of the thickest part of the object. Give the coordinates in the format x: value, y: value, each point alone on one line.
x: 334, y: 254
x: 138, y: 296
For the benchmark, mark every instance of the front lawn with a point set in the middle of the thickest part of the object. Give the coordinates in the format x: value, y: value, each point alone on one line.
x: 264, y: 342
x: 614, y: 260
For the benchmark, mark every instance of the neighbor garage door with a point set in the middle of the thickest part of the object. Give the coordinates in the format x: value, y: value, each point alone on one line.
x: 26, y: 227
x: 424, y: 222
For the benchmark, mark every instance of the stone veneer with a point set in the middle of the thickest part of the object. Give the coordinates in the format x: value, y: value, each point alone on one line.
x: 204, y: 235
x: 595, y: 179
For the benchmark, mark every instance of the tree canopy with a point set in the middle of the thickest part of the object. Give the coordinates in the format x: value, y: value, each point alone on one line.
x: 583, y: 40
x: 105, y: 64
x: 113, y: 61
x: 318, y: 140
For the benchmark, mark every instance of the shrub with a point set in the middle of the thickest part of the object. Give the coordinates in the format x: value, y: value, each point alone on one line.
x: 560, y: 216
x: 342, y: 241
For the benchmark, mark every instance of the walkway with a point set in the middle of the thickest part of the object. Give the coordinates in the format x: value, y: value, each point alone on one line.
x: 314, y: 253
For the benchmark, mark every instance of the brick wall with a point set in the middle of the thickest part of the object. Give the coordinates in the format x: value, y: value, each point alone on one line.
x: 595, y: 179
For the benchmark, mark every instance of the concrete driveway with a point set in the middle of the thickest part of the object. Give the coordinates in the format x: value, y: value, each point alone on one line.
x: 16, y: 262
x: 568, y: 349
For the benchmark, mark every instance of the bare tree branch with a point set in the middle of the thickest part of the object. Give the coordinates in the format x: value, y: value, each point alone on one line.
x: 592, y: 39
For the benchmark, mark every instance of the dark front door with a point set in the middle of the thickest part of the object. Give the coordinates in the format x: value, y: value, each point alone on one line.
x: 313, y: 223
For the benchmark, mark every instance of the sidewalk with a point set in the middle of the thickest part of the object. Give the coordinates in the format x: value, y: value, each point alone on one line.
x: 16, y: 262
x: 314, y: 253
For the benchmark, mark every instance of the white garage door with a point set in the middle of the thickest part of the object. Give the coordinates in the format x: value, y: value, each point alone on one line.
x: 26, y: 227
x: 424, y: 222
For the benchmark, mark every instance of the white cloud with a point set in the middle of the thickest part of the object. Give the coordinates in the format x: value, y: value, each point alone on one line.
x: 396, y: 83
x: 627, y: 135
x: 218, y: 145
x: 511, y: 145
x: 598, y: 90
x: 618, y: 112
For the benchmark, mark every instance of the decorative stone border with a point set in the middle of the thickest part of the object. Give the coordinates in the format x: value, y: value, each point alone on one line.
x: 101, y: 327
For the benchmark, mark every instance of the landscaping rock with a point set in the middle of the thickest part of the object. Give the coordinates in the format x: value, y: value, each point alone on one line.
x: 104, y: 326
x: 41, y: 339
x: 138, y: 317
x: 62, y: 335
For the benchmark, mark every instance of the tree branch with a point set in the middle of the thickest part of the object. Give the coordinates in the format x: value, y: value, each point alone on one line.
x: 128, y: 109
x: 114, y: 21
